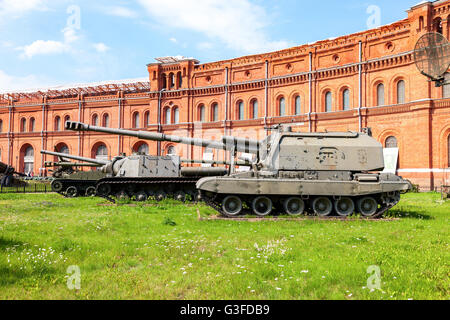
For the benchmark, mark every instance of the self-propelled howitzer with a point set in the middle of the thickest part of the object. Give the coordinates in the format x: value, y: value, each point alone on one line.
x: 321, y: 173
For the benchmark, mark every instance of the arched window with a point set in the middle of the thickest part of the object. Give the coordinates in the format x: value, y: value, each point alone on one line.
x: 23, y: 125
x: 143, y: 148
x: 172, y: 80
x: 298, y: 105
x: 146, y: 119
x: 28, y: 160
x: 391, y: 142
x: 401, y: 92
x: 32, y: 125
x: 101, y: 153
x: 163, y: 81
x: 255, y: 112
x: 448, y: 151
x: 179, y: 79
x: 421, y: 23
x: 346, y: 99
x: 437, y: 25
x: 1, y: 125
x: 66, y: 118
x: 167, y: 116
x: 380, y: 95
x: 240, y: 110
x: 57, y: 125
x: 201, y: 113
x: 64, y: 149
x: 215, y: 112
x: 136, y: 120
x: 282, y: 107
x: 95, y: 120
x: 176, y: 115
x: 328, y: 101
x: 171, y: 151
x: 105, y: 121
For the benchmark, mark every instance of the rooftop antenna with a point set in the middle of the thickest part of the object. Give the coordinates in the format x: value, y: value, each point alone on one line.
x: 432, y: 57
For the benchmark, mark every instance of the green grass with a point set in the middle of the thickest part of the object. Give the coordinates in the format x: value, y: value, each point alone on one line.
x: 163, y: 251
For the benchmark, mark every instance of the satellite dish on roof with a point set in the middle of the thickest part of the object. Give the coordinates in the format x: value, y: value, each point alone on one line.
x: 432, y: 56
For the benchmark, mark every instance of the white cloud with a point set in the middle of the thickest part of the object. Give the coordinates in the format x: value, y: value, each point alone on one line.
x: 174, y: 40
x: 41, y: 47
x: 15, y: 8
x: 120, y: 12
x: 240, y: 24
x: 205, y: 46
x: 10, y: 83
x: 101, y: 47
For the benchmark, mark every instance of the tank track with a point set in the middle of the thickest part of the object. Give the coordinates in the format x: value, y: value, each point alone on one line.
x: 217, y: 206
x: 190, y: 182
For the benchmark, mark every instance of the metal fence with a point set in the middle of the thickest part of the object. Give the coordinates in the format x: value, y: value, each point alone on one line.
x: 28, y: 187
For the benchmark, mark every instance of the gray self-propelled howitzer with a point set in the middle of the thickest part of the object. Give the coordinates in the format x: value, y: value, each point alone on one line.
x: 7, y: 176
x: 141, y: 176
x: 293, y: 173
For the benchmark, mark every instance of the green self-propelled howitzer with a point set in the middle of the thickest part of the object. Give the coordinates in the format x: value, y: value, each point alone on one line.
x: 320, y: 173
x: 8, y: 176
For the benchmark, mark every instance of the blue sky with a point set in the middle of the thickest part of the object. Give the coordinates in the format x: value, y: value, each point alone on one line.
x: 56, y: 42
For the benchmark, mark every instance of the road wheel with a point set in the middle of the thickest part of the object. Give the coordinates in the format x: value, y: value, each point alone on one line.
x: 57, y: 186
x: 322, y: 206
x: 160, y: 195
x: 367, y: 206
x: 294, y: 206
x: 180, y: 196
x: 232, y: 206
x: 141, y: 196
x: 262, y: 206
x: 91, y: 192
x: 104, y: 190
x: 72, y: 192
x: 344, y: 207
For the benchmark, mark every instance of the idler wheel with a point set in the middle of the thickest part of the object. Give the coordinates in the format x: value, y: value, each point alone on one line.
x: 71, y: 192
x: 91, y: 192
x: 344, y: 207
x: 141, y: 196
x: 294, y: 206
x: 322, y: 206
x: 262, y: 206
x: 180, y: 196
x: 160, y: 195
x: 232, y: 206
x: 57, y: 186
x: 367, y: 206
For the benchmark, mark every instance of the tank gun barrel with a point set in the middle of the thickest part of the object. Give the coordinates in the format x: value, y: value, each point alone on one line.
x: 77, y: 158
x: 49, y: 164
x: 215, y: 162
x: 227, y: 143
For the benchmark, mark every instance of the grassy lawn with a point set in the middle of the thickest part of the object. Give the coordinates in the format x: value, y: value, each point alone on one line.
x: 162, y: 251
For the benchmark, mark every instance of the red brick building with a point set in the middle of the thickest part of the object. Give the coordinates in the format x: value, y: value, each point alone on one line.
x: 366, y: 79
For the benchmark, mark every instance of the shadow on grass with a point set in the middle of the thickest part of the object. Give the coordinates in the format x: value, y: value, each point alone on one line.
x: 12, y: 276
x: 7, y: 243
x: 412, y: 214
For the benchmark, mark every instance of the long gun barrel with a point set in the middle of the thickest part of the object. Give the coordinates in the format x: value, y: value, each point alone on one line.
x: 7, y: 170
x: 50, y: 164
x: 77, y: 158
x: 215, y: 162
x: 227, y: 143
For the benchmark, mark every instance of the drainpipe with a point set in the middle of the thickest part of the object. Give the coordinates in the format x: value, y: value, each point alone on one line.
x: 159, y: 120
x: 360, y: 86
x: 266, y: 94
x: 310, y: 91
x: 226, y: 102
x: 9, y: 131
x: 79, y: 119
x: 42, y: 170
x: 119, y: 138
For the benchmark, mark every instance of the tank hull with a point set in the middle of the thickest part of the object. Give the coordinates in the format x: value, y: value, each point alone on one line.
x: 320, y: 197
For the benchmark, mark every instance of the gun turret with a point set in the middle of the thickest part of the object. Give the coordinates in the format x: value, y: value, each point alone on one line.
x: 227, y: 143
